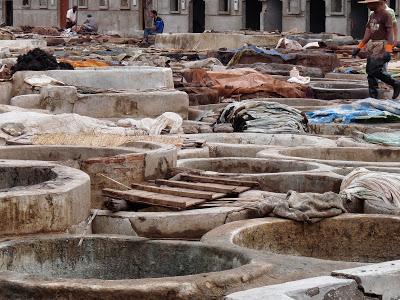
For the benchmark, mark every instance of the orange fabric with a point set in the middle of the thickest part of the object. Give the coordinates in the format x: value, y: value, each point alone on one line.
x: 389, y: 48
x: 89, y: 63
x: 245, y: 81
x: 361, y: 45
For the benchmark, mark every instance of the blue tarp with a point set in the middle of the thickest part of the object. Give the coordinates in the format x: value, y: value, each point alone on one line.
x: 361, y: 110
x: 251, y: 49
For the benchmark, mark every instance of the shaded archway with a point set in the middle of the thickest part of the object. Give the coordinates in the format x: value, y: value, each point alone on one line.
x: 358, y: 19
x: 272, y: 15
x: 145, y: 7
x: 198, y: 16
x: 8, y: 12
x: 62, y: 12
x: 317, y: 16
x: 253, y: 12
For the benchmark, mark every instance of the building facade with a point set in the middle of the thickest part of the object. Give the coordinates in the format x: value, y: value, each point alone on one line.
x: 127, y: 17
x: 336, y: 16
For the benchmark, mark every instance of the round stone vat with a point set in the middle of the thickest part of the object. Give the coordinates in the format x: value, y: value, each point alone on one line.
x: 339, y: 90
x: 249, y: 144
x: 111, y: 267
x: 273, y: 175
x: 349, y: 237
x: 243, y: 165
x: 285, y: 140
x: 41, y: 197
x: 342, y: 156
x: 133, y: 162
x: 188, y: 224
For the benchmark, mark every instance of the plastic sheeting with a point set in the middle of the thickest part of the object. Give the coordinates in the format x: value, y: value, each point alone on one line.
x: 263, y: 117
x: 244, y: 81
x: 254, y: 50
x: 383, y: 138
x: 379, y: 192
x: 367, y: 110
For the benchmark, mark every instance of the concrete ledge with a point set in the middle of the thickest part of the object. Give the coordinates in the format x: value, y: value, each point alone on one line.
x: 213, y: 41
x: 379, y: 280
x: 136, y: 105
x: 22, y: 44
x: 190, y: 224
x: 128, y: 78
x: 318, y: 288
x: 42, y: 198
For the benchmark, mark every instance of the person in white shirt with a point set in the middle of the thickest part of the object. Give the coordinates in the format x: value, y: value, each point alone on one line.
x: 72, y: 16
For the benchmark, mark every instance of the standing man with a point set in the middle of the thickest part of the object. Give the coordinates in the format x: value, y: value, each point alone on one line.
x: 394, y: 20
x: 378, y: 39
x: 72, y: 17
x: 158, y: 26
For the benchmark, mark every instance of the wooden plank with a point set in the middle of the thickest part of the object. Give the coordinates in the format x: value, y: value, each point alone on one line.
x: 153, y: 198
x: 210, y: 187
x: 226, y: 181
x: 178, y: 191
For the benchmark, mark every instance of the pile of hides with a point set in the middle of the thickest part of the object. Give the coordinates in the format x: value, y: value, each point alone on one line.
x: 383, y: 138
x: 252, y: 50
x: 368, y: 110
x: 281, y: 69
x: 168, y: 122
x: 300, y: 207
x: 371, y: 192
x: 39, y: 60
x: 17, y: 123
x: 264, y: 117
x: 244, y: 81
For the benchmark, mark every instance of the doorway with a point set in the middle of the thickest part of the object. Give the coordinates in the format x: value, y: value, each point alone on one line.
x: 62, y: 13
x: 145, y: 7
x: 198, y: 12
x: 8, y: 11
x: 273, y: 16
x: 317, y: 16
x: 358, y: 19
x: 392, y: 4
x: 253, y: 12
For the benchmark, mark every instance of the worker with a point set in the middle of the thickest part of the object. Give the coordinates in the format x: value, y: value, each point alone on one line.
x: 157, y: 28
x: 72, y: 17
x: 89, y: 26
x: 378, y: 39
x: 394, y: 20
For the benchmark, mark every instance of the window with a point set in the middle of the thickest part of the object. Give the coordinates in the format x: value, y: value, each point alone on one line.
x: 125, y: 4
x: 43, y: 3
x: 83, y: 3
x: 26, y: 3
x: 103, y: 4
x: 293, y: 7
x: 223, y: 6
x: 174, y: 5
x: 337, y: 7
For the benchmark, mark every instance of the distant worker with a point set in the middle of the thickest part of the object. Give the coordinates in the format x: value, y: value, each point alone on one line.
x: 394, y: 20
x: 378, y: 39
x: 72, y: 17
x: 157, y: 28
x: 90, y: 25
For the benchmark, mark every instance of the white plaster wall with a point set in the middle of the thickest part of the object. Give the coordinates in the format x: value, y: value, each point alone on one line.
x: 223, y: 22
x: 336, y: 24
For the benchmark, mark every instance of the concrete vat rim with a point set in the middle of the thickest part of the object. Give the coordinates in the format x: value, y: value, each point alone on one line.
x: 284, y: 153
x: 96, y: 287
x: 225, y: 235
x: 315, y: 166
